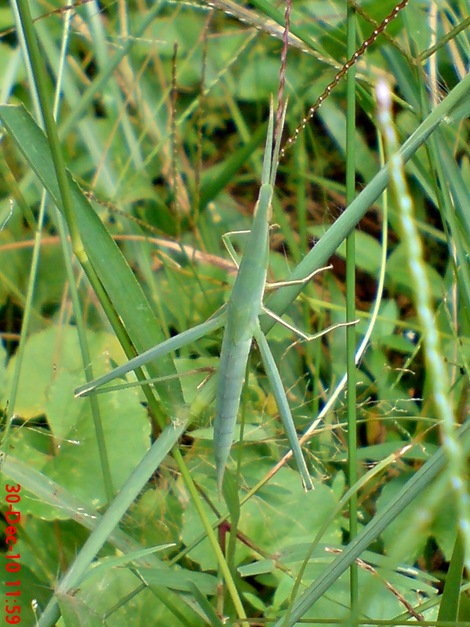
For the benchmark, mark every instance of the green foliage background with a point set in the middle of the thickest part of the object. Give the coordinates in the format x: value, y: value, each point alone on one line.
x: 165, y: 126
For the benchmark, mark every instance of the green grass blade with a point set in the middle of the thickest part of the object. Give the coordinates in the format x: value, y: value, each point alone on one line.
x: 435, y: 364
x: 351, y: 305
x: 215, y: 179
x: 330, y: 241
x: 455, y: 210
x: 206, y: 606
x: 275, y: 14
x: 414, y: 487
x: 115, y: 275
x: 101, y: 80
x: 38, y: 78
x: 113, y: 515
x: 449, y: 607
x: 67, y: 504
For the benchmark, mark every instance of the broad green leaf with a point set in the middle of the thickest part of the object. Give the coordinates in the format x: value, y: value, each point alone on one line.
x: 281, y: 511
x: 69, y: 453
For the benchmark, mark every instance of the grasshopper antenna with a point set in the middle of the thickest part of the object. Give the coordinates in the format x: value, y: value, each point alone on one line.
x: 281, y: 106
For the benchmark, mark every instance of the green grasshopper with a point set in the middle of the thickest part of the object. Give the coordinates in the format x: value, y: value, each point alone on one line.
x: 242, y: 325
x: 241, y: 319
x: 241, y: 314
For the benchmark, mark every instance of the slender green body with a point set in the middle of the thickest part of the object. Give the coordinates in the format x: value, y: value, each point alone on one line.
x: 244, y: 308
x: 241, y: 318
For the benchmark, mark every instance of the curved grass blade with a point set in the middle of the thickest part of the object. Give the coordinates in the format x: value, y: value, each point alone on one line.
x: 410, y: 491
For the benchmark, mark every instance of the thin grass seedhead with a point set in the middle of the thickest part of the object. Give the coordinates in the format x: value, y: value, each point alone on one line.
x: 424, y: 306
x: 342, y: 72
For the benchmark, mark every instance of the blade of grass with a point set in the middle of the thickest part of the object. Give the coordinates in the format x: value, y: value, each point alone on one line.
x: 64, y: 198
x: 206, y: 607
x: 103, y: 77
x: 455, y: 218
x: 329, y: 242
x: 423, y: 302
x: 450, y: 601
x: 351, y: 304
x: 414, y: 487
x: 31, y: 54
x: 217, y: 178
x: 111, y: 518
x: 93, y: 231
x: 116, y: 277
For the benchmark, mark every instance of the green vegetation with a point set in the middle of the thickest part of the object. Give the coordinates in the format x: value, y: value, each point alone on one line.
x: 111, y: 243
